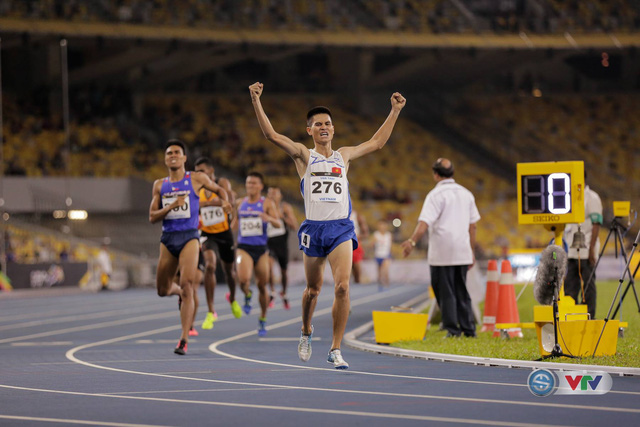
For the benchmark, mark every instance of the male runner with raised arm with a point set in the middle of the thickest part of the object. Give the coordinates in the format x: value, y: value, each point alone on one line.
x: 327, y: 232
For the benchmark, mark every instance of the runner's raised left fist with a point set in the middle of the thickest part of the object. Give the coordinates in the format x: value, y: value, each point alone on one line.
x: 398, y: 101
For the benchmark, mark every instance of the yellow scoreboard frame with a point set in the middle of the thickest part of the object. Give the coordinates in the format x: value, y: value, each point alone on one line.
x: 538, y: 205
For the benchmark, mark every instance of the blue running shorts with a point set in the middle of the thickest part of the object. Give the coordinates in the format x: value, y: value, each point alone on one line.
x: 319, y: 238
x: 176, y: 240
x: 381, y: 260
x: 254, y: 251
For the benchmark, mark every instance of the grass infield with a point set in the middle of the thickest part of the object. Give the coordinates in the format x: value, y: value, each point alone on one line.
x: 526, y: 348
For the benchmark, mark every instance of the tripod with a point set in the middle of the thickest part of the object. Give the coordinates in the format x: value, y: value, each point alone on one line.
x: 624, y: 272
x: 557, y: 350
x: 615, y: 230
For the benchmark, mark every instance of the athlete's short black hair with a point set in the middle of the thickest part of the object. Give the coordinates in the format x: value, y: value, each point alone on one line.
x: 175, y: 142
x: 445, y: 172
x: 204, y: 161
x: 317, y: 110
x: 257, y: 175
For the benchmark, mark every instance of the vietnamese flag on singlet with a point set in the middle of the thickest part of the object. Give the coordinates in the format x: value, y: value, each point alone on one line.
x: 336, y: 170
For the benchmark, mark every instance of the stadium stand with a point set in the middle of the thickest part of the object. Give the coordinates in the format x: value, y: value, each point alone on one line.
x: 600, y: 129
x: 117, y: 129
x: 431, y: 16
x: 223, y: 128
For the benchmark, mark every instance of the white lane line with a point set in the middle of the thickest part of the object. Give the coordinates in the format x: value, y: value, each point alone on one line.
x: 84, y: 309
x: 76, y: 317
x: 92, y: 326
x: 141, y: 334
x: 208, y: 371
x: 71, y: 356
x: 40, y: 343
x: 214, y: 348
x: 204, y: 390
x: 278, y: 339
x: 298, y: 319
x: 176, y: 359
x: 71, y: 421
x: 291, y: 408
x: 108, y: 324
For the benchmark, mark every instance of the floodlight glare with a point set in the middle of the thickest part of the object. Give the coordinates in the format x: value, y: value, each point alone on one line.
x: 78, y: 215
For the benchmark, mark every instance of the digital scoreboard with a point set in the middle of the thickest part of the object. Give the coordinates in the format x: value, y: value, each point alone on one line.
x: 550, y: 192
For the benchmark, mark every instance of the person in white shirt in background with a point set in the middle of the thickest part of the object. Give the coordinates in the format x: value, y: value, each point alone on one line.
x: 449, y: 214
x: 382, y: 240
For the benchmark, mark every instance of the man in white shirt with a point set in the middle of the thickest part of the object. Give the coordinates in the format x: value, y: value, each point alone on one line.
x: 449, y: 214
x: 588, y: 257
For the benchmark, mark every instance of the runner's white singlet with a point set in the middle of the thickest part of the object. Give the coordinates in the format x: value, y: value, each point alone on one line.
x: 325, y: 188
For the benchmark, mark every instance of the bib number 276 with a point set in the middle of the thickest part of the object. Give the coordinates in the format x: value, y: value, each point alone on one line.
x: 326, y: 187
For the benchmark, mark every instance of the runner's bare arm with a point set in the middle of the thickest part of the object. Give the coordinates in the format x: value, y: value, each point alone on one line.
x: 236, y: 207
x: 297, y: 151
x: 381, y: 137
x: 226, y: 184
x: 271, y: 213
x: 289, y: 216
x: 156, y: 211
x: 203, y: 181
x: 364, y: 227
x: 213, y: 202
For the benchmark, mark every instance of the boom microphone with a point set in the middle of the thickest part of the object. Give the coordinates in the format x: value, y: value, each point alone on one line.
x: 551, y: 272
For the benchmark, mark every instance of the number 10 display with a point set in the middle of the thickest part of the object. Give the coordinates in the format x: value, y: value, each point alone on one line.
x: 550, y: 192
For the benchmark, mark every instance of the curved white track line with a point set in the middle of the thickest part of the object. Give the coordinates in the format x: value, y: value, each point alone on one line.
x: 290, y: 408
x: 71, y: 356
x: 214, y: 347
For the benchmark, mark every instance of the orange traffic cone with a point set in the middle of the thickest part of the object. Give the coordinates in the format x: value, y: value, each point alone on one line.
x: 491, y: 298
x: 507, y: 307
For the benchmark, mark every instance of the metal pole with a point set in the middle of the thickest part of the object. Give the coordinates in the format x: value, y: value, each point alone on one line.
x: 65, y: 117
x: 615, y: 297
x: 3, y: 255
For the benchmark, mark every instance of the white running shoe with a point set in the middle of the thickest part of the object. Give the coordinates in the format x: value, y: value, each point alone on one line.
x: 304, y: 346
x: 335, y: 357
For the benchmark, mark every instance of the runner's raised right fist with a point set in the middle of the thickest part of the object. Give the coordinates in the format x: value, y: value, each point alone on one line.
x: 256, y: 90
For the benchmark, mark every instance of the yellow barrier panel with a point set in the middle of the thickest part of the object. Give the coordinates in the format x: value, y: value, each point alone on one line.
x: 579, y: 337
x: 390, y: 327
